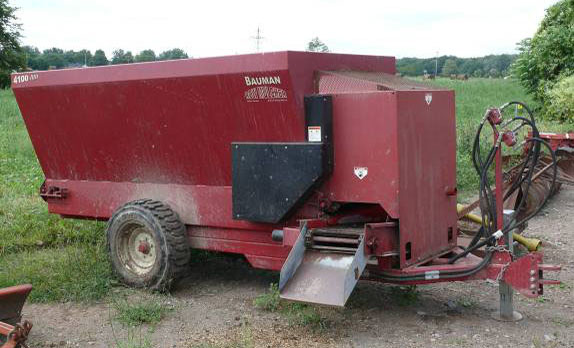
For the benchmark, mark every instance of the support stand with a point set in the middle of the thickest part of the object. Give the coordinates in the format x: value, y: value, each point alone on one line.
x: 506, y: 311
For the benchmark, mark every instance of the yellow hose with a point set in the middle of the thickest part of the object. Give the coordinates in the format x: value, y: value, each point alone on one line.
x: 470, y: 216
x: 532, y: 244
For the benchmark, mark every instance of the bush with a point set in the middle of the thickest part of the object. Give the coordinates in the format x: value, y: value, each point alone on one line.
x: 4, y: 79
x: 550, y: 53
x: 559, y: 103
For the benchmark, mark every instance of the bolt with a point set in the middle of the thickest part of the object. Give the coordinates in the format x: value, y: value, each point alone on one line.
x: 532, y: 272
x: 532, y: 286
x: 532, y: 279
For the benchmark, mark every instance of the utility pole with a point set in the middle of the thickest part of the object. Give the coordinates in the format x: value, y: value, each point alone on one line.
x: 258, y: 38
x: 436, y: 65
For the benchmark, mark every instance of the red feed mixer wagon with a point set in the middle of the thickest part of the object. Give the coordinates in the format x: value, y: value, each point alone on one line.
x: 326, y: 167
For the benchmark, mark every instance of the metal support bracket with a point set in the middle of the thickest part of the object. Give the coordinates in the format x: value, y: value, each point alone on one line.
x: 506, y: 311
x: 53, y: 192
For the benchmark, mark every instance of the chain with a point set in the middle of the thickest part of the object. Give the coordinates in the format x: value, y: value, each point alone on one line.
x: 502, y: 270
x: 499, y: 248
x: 19, y: 334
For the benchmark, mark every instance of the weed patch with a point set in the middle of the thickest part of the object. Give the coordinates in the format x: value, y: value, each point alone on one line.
x: 147, y: 311
x: 134, y: 338
x: 298, y: 314
x: 404, y: 295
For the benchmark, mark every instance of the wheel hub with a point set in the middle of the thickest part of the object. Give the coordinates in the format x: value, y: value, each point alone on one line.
x: 137, y: 249
x: 144, y: 248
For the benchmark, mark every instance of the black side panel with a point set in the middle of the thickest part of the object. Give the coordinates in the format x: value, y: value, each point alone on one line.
x: 271, y: 179
x: 319, y: 113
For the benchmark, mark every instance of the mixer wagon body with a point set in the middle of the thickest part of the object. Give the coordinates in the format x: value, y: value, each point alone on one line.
x: 251, y: 154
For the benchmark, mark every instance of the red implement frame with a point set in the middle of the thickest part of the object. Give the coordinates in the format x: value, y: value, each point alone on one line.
x: 11, y: 301
x: 557, y: 140
x: 524, y: 274
x: 110, y: 135
x: 107, y: 136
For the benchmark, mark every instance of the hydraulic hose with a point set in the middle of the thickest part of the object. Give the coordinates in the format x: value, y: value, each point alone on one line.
x: 486, y: 196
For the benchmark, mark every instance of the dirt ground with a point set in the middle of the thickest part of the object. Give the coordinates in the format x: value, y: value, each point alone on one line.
x: 214, y: 308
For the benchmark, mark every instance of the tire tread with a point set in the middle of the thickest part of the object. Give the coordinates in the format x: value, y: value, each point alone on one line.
x: 175, y: 234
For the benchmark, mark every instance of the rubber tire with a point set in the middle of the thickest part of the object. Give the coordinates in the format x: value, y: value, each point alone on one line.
x: 172, y: 260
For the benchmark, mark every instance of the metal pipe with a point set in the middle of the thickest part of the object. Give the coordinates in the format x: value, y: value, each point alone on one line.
x: 336, y: 240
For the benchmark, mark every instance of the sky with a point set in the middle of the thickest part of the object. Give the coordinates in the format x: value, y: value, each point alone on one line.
x: 405, y: 28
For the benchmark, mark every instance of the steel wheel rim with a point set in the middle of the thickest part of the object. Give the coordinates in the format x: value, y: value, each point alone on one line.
x: 137, y: 249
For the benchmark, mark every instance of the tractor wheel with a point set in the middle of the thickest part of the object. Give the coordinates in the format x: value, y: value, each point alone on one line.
x: 148, y: 245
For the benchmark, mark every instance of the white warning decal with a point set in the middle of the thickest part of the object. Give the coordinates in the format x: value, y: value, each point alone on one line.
x: 314, y: 134
x: 428, y: 98
x: 429, y: 275
x: 361, y: 172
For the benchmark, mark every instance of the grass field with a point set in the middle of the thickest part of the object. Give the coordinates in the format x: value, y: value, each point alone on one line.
x: 65, y: 260
x: 472, y: 99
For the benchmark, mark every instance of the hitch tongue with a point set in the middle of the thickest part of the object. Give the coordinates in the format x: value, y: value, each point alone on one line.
x: 549, y: 268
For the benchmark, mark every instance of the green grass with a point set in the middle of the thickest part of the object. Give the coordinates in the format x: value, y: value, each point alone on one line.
x: 269, y: 301
x: 473, y: 97
x: 134, y: 338
x: 65, y: 260
x: 298, y: 314
x: 143, y: 311
x: 69, y: 273
x: 404, y: 295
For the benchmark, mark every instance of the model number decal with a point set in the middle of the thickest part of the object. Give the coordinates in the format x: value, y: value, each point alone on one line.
x: 24, y: 78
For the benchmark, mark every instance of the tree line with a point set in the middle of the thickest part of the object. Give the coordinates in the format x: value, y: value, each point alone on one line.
x: 57, y: 58
x: 487, y: 66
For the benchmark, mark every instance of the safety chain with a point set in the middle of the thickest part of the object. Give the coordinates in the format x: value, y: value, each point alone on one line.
x: 501, y: 249
x: 502, y: 270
